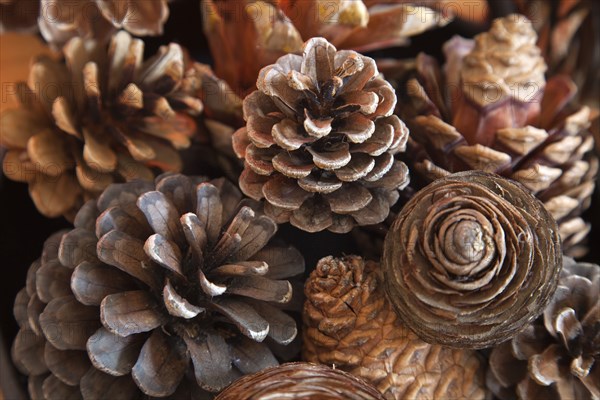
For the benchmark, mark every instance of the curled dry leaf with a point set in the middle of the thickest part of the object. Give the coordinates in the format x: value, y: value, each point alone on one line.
x: 471, y: 260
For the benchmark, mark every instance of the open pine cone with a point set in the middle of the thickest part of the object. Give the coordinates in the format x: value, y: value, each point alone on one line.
x: 493, y: 110
x: 182, y: 272
x: 300, y: 381
x: 557, y: 357
x: 350, y: 324
x: 471, y: 260
x: 103, y: 116
x: 320, y: 140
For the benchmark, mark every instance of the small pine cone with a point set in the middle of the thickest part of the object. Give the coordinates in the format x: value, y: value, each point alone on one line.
x: 300, y: 381
x: 493, y: 110
x: 320, y: 140
x: 350, y: 324
x: 558, y: 355
x: 471, y: 260
x: 103, y: 116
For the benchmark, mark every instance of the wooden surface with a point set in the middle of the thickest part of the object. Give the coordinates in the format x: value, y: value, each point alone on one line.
x: 16, y: 51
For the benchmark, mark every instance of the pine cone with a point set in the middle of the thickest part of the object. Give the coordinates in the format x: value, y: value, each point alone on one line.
x: 558, y: 355
x: 50, y: 347
x: 492, y: 110
x: 471, y: 260
x: 350, y: 324
x: 300, y: 381
x: 181, y: 272
x: 320, y: 140
x: 101, y: 117
x: 568, y: 36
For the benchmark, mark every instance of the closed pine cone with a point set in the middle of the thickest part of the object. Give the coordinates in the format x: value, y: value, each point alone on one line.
x: 103, y: 116
x: 558, y: 356
x: 351, y: 325
x: 320, y: 140
x: 180, y: 294
x: 493, y: 110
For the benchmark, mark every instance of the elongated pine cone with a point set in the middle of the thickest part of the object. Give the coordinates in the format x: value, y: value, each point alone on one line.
x: 350, y: 324
x: 182, y: 271
x: 557, y: 356
x: 103, y: 116
x: 471, y: 260
x: 493, y: 110
x: 320, y: 140
x: 300, y: 380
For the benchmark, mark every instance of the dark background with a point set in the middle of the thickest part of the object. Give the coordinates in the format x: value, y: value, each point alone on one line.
x: 23, y: 230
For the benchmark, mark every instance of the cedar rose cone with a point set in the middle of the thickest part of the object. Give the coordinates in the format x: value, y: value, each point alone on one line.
x: 320, y: 140
x: 102, y: 116
x: 471, y: 260
x: 180, y: 292
x: 350, y: 324
x: 492, y: 109
x: 558, y: 355
x: 300, y: 381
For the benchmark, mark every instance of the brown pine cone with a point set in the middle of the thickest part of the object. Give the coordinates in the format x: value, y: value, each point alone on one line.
x: 320, y: 140
x: 103, y: 116
x: 50, y: 347
x: 350, y: 324
x: 60, y: 20
x: 492, y: 110
x: 558, y: 355
x: 300, y: 381
x: 471, y: 260
x: 180, y: 273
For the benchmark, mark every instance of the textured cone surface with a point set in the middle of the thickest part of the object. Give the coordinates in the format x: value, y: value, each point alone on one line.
x: 320, y: 140
x: 300, y: 381
x: 491, y: 109
x: 204, y: 296
x: 103, y: 115
x: 350, y: 324
x: 471, y: 260
x: 558, y: 355
x: 162, y: 289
